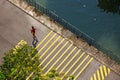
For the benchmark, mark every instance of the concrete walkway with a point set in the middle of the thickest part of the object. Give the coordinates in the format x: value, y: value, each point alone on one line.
x: 15, y: 25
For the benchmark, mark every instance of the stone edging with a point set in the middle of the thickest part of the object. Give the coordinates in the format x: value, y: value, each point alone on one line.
x: 98, y: 55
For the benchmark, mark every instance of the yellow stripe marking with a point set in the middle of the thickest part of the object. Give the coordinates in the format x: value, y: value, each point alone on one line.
x: 48, y: 49
x: 55, y: 55
x: 95, y: 77
x: 105, y: 70
x: 72, y: 65
x: 101, y: 71
x: 43, y: 39
x: 108, y: 70
x: 63, y: 54
x: 80, y: 64
x: 72, y: 58
x: 91, y: 78
x: 42, y: 42
x: 65, y: 58
x: 45, y: 45
x: 83, y: 68
x: 98, y: 74
x: 29, y: 76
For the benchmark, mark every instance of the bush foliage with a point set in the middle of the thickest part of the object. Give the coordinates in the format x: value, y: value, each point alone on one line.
x: 18, y: 65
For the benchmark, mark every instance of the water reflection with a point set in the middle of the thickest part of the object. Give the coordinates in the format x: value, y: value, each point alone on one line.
x: 86, y: 16
x: 109, y: 5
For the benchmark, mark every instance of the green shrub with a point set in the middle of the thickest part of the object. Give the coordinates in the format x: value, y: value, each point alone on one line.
x: 18, y: 65
x: 2, y: 76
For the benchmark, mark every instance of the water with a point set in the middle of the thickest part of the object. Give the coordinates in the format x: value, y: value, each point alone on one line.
x: 85, y: 15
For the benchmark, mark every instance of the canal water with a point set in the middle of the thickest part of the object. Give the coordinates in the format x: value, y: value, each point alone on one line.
x: 90, y: 19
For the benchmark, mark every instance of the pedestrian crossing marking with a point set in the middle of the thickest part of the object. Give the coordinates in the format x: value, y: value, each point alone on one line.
x: 65, y: 58
x: 55, y: 55
x: 98, y: 74
x: 105, y: 70
x: 95, y: 77
x: 61, y: 55
x: 43, y: 39
x: 108, y: 70
x: 45, y: 45
x: 84, y: 61
x: 73, y: 58
x: 101, y: 73
x: 83, y: 68
x: 48, y: 49
x: 55, y: 49
x: 91, y: 78
x: 72, y: 65
x: 80, y: 64
x: 29, y: 76
x: 77, y: 67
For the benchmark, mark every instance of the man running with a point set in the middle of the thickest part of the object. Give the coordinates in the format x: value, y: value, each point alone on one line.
x: 33, y: 30
x: 35, y: 41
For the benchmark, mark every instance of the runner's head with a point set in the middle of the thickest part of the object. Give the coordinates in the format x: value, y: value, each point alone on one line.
x: 32, y: 27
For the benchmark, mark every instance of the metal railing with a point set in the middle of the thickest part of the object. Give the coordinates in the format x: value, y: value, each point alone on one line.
x: 73, y: 29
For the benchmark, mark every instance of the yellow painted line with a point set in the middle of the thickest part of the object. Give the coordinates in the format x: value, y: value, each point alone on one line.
x: 95, y: 77
x: 83, y: 69
x: 45, y: 46
x: 72, y: 65
x: 55, y: 55
x: 80, y: 64
x: 91, y: 78
x: 48, y: 49
x: 55, y: 48
x: 98, y: 74
x: 29, y: 76
x: 57, y: 52
x: 105, y: 70
x: 62, y: 54
x: 65, y: 58
x: 108, y: 70
x: 101, y: 71
x: 43, y: 39
x: 72, y: 58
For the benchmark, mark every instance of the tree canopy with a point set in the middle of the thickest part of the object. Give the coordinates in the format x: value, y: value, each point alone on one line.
x: 18, y: 65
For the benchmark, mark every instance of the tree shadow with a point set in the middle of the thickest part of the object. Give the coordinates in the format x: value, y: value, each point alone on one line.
x: 107, y: 6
